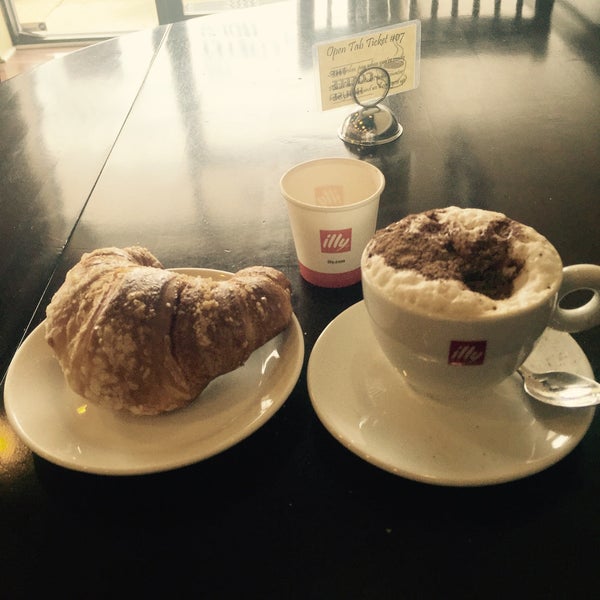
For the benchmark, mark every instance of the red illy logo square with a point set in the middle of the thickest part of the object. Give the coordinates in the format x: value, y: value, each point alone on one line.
x: 336, y: 240
x: 467, y: 353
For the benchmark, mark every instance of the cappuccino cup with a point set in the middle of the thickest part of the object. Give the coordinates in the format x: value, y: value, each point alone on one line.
x: 457, y: 298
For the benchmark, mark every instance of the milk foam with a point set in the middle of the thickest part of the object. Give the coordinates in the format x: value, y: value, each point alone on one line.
x: 451, y: 298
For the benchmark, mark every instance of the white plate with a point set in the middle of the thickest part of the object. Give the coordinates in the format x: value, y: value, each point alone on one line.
x: 497, y: 437
x: 61, y: 427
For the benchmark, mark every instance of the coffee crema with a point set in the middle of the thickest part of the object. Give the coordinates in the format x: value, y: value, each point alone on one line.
x: 462, y: 262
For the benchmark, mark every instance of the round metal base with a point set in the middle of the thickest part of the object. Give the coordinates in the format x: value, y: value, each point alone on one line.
x: 370, y: 126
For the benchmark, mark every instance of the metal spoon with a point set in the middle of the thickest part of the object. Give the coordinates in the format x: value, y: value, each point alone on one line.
x: 561, y: 389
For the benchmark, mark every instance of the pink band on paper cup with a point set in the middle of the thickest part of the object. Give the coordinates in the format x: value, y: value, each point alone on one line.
x: 330, y: 280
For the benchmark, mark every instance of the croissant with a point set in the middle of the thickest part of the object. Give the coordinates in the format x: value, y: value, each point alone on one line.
x: 131, y: 335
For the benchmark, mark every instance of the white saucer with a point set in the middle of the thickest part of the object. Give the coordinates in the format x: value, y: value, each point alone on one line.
x: 501, y: 436
x: 61, y: 427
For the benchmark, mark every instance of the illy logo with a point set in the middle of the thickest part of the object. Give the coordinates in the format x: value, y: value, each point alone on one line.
x: 336, y: 240
x: 467, y: 353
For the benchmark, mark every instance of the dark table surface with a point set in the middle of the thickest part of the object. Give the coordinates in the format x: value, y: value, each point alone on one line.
x: 175, y: 139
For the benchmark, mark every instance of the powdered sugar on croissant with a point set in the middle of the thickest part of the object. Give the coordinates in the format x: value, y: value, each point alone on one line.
x: 131, y: 335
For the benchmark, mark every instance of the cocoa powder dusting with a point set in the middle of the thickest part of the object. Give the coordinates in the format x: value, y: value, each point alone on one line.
x: 444, y: 251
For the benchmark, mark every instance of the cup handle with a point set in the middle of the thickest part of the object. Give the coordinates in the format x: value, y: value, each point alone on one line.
x: 578, y: 277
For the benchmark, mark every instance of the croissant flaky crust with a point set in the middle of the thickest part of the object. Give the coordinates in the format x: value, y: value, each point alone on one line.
x: 131, y: 335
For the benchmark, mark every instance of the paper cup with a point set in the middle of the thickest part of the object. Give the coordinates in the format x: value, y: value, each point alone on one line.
x: 332, y: 205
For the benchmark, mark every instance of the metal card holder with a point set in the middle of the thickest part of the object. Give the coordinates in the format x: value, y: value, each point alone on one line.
x: 373, y: 124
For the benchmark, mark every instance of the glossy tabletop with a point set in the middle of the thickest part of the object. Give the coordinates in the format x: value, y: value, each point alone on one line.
x: 175, y: 139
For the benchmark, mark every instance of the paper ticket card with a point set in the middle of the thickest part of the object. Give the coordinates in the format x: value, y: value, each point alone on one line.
x: 340, y: 63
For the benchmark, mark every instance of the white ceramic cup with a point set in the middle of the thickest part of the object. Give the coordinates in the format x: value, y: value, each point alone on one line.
x: 332, y: 205
x: 446, y: 357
